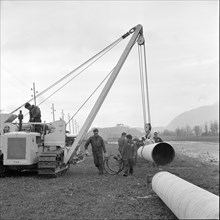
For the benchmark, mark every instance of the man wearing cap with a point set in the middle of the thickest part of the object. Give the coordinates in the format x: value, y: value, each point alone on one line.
x: 98, y: 147
x: 121, y: 142
x: 35, y: 115
x: 129, y: 153
x: 156, y: 138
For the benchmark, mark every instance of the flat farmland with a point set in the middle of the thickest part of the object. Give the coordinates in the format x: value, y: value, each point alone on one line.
x: 80, y: 193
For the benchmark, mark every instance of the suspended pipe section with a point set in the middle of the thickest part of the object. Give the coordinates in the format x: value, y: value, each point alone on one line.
x: 160, y: 153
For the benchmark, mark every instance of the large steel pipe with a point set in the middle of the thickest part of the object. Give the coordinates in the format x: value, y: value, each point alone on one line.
x: 184, y: 199
x: 160, y: 153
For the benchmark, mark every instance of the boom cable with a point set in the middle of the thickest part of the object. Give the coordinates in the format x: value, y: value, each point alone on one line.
x: 89, y: 96
x: 77, y: 74
x: 67, y: 75
x: 75, y: 77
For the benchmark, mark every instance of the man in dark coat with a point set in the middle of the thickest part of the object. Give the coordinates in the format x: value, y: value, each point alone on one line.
x: 98, y: 147
x: 129, y: 153
x: 121, y: 142
x: 35, y: 115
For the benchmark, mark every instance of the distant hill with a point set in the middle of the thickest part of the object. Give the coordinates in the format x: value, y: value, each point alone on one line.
x: 112, y: 133
x: 197, y: 116
x: 158, y: 129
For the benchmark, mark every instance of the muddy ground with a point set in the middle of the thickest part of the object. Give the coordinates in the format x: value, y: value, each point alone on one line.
x: 83, y: 194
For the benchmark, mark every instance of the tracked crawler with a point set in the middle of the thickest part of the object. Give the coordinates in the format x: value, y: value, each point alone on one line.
x: 47, y: 151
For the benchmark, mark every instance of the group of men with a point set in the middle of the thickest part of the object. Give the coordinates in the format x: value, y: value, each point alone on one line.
x: 127, y: 148
x: 128, y: 151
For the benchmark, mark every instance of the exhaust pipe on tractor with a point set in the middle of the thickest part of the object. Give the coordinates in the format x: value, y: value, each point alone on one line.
x: 160, y: 153
x: 184, y: 199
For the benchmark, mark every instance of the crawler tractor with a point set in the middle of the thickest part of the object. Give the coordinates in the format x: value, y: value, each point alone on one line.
x: 47, y: 152
x: 28, y: 150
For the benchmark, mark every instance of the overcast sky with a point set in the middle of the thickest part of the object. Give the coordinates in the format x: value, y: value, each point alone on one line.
x: 42, y: 41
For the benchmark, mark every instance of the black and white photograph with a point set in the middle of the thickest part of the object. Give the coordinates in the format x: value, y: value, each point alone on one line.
x: 109, y: 110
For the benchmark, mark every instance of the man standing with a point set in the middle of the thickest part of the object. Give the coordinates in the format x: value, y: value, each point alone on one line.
x: 98, y: 147
x: 35, y: 115
x: 156, y: 138
x: 121, y: 142
x: 129, y: 153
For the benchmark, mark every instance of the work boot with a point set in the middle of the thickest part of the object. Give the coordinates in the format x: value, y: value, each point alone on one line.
x: 100, y: 172
x: 100, y: 169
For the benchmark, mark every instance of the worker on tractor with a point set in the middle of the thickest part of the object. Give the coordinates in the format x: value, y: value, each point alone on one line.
x: 35, y: 115
x: 98, y: 147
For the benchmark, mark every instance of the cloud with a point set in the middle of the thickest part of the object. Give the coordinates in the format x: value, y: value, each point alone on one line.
x: 42, y: 41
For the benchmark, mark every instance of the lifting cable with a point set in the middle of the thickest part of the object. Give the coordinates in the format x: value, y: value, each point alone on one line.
x: 147, y: 90
x: 144, y: 85
x: 142, y: 80
x: 89, y: 97
x: 70, y: 73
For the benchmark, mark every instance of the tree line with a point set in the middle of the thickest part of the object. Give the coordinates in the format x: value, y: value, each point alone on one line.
x: 207, y: 129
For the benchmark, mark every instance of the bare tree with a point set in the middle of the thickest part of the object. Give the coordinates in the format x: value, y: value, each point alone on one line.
x: 188, y: 130
x: 197, y: 130
x: 206, y: 129
x: 214, y: 127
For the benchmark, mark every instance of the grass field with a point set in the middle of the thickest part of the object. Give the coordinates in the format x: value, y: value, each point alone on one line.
x: 83, y: 194
x: 214, y: 139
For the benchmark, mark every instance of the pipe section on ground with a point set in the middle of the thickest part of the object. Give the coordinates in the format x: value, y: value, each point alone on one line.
x: 160, y: 153
x: 184, y: 199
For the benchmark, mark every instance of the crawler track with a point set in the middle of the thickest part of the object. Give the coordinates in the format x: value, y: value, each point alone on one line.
x: 2, y: 169
x: 51, y: 163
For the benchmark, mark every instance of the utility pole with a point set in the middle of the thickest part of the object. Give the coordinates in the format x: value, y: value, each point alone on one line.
x: 62, y: 115
x: 34, y: 94
x: 77, y: 128
x: 69, y: 123
x: 53, y: 110
x: 73, y: 125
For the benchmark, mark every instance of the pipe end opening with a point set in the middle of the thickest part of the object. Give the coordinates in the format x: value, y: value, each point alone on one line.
x: 163, y: 154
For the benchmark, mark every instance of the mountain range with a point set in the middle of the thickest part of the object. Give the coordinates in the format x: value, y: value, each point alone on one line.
x: 197, y: 116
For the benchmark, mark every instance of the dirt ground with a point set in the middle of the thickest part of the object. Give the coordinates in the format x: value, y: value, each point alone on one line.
x: 81, y: 193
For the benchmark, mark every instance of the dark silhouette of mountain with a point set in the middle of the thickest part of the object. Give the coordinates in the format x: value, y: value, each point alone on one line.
x: 197, y: 116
